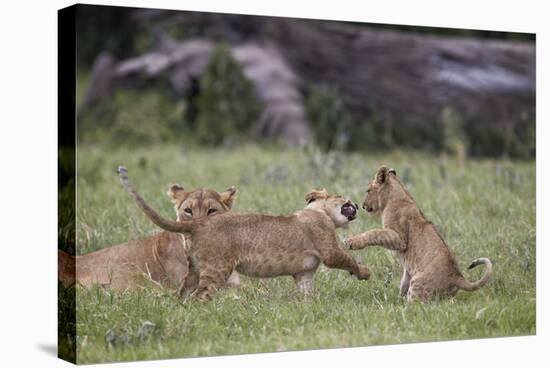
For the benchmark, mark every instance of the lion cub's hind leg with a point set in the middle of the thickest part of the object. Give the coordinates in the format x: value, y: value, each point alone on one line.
x: 234, y: 280
x: 418, y: 289
x: 304, y: 279
x: 423, y: 288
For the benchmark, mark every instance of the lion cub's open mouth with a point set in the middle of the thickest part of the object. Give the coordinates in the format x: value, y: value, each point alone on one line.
x: 350, y: 211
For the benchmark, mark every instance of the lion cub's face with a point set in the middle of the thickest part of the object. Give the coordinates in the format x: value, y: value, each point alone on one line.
x: 378, y: 191
x: 341, y: 210
x: 200, y: 202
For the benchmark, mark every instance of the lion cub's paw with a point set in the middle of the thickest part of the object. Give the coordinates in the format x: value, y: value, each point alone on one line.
x: 352, y: 243
x: 203, y: 297
x: 365, y: 273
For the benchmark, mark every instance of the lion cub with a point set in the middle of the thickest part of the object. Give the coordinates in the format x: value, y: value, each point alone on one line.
x: 164, y: 257
x: 261, y: 245
x: 429, y: 269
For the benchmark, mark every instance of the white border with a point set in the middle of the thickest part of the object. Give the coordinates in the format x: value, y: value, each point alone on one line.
x: 28, y: 139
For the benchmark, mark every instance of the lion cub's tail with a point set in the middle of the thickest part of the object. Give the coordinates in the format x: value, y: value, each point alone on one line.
x: 464, y: 284
x: 185, y: 227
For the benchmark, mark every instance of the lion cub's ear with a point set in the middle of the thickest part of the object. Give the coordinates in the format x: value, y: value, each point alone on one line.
x: 316, y: 194
x: 382, y: 174
x: 228, y: 196
x: 176, y: 193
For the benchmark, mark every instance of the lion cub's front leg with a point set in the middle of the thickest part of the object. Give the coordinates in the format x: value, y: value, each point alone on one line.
x: 334, y: 257
x: 386, y: 238
x: 214, y: 270
x: 405, y: 283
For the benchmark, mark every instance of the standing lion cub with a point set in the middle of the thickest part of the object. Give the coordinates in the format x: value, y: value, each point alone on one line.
x: 261, y: 245
x: 164, y: 257
x: 429, y: 269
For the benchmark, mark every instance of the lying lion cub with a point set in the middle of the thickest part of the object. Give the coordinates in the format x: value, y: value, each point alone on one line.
x: 429, y: 269
x: 260, y: 245
x: 164, y: 257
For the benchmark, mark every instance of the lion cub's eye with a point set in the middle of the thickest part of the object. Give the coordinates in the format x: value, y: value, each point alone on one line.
x: 211, y: 211
x: 189, y: 210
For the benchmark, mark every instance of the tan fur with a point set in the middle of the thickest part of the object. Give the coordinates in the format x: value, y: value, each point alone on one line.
x: 429, y: 269
x: 163, y: 257
x: 261, y: 245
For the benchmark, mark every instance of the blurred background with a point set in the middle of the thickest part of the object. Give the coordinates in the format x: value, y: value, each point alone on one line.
x: 148, y: 77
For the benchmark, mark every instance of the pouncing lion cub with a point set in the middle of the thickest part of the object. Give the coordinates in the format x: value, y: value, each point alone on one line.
x: 260, y: 245
x: 429, y: 269
x: 163, y: 257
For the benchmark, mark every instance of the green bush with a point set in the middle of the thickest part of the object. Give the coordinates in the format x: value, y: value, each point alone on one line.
x: 455, y: 141
x: 134, y: 116
x: 496, y: 140
x: 328, y: 118
x: 227, y: 103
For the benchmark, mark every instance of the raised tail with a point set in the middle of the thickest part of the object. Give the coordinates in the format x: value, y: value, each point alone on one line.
x: 66, y: 268
x: 166, y: 224
x: 464, y: 284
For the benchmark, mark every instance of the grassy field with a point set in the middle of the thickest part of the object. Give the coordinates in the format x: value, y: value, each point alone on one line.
x: 485, y: 208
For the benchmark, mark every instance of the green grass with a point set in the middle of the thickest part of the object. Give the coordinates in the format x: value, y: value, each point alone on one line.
x: 486, y: 208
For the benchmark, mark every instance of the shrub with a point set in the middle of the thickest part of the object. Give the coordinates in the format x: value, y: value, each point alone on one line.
x: 455, y: 141
x: 134, y: 116
x: 328, y: 118
x: 494, y: 140
x: 227, y: 103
